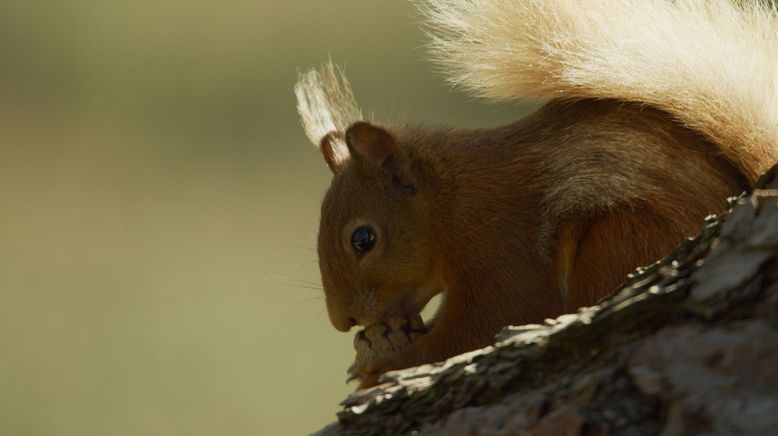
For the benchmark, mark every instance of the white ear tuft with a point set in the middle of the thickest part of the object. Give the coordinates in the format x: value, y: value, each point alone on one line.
x: 326, y: 104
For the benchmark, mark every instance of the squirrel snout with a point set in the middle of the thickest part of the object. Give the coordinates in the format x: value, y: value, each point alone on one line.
x: 345, y: 313
x: 342, y: 322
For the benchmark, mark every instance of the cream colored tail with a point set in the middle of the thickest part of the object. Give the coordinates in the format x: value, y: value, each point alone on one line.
x: 713, y: 64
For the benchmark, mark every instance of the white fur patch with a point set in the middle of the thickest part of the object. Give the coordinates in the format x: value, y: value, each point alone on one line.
x: 326, y: 104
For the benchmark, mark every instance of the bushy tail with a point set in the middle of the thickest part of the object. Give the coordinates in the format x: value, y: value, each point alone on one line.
x: 713, y: 64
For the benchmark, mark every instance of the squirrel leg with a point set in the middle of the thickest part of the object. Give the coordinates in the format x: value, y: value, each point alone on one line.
x: 586, y: 266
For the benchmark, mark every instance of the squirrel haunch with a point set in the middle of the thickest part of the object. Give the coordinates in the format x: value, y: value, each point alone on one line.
x: 526, y: 221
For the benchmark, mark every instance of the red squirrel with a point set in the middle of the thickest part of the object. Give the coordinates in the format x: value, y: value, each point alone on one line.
x: 658, y: 111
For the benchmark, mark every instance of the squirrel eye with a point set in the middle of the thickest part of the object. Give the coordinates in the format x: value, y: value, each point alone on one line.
x: 363, y: 239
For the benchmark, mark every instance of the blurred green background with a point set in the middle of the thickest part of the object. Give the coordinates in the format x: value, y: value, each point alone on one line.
x: 159, y: 206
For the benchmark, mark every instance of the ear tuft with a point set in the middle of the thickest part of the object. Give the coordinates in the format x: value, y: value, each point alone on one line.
x: 327, y: 106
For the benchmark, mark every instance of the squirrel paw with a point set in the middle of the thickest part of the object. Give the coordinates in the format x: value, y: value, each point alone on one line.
x: 378, y: 343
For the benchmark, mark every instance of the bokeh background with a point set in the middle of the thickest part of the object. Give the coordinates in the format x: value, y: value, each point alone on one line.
x: 159, y: 205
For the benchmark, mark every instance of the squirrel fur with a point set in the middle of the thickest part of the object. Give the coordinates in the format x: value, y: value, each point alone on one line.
x: 658, y: 111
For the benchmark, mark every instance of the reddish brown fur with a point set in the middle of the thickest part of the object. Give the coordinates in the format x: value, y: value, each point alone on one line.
x: 576, y: 196
x: 601, y: 263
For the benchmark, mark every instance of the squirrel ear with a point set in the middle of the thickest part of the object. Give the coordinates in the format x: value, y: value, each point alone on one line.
x: 334, y: 150
x: 371, y: 143
x: 375, y: 145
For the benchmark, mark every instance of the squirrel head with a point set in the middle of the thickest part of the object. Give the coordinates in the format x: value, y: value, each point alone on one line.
x: 375, y: 238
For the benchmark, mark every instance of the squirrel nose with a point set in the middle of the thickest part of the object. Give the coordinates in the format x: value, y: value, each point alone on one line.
x: 342, y: 322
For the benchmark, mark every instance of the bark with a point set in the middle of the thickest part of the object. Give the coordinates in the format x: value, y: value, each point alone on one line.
x: 687, y: 346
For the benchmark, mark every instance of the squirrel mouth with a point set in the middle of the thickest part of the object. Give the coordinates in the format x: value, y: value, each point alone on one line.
x: 412, y: 307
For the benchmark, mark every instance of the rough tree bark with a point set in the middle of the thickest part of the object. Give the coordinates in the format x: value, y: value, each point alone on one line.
x: 687, y: 346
